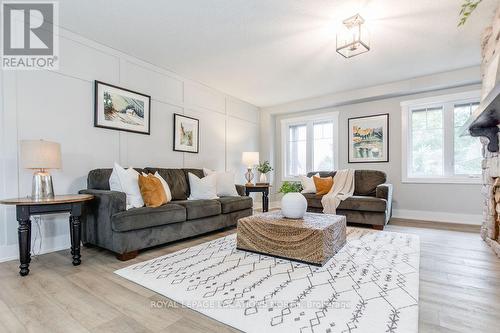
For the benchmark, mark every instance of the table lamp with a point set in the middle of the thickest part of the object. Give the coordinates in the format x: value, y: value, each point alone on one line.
x: 250, y: 159
x: 41, y: 155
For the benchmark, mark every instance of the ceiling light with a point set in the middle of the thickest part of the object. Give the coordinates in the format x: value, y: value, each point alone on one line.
x: 353, y: 37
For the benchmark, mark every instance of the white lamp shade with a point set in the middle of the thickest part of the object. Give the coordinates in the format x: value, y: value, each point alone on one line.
x: 250, y: 158
x: 40, y: 154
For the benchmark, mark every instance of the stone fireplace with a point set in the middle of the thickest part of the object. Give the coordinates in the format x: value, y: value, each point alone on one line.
x: 491, y: 198
x: 486, y: 126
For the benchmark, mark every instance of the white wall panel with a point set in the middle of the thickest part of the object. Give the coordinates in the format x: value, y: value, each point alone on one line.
x: 199, y: 95
x: 159, y: 86
x: 9, y: 157
x: 212, y: 141
x: 155, y: 150
x: 242, y: 110
x: 87, y: 63
x: 241, y: 136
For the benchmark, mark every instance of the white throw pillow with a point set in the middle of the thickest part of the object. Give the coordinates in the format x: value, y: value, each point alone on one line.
x: 165, y: 186
x: 129, y: 181
x: 308, y: 184
x: 114, y: 181
x: 224, y: 183
x: 202, y: 188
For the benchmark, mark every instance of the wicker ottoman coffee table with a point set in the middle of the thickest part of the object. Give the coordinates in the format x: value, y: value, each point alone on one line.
x: 313, y: 240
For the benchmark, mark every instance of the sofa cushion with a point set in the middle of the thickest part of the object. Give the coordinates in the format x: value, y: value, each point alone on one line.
x: 146, y: 217
x: 196, y: 209
x: 365, y: 181
x: 234, y: 204
x: 176, y: 180
x: 362, y: 203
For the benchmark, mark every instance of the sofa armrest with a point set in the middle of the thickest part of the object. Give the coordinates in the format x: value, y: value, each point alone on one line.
x: 241, y: 190
x: 114, y: 201
x: 384, y: 191
x: 97, y: 218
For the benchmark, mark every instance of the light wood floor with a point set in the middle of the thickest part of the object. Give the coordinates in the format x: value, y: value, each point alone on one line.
x: 459, y: 289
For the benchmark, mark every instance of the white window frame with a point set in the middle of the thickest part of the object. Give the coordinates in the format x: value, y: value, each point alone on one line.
x: 447, y: 102
x: 308, y: 121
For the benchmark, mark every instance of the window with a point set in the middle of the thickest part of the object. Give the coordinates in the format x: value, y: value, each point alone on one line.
x: 309, y: 143
x: 297, y: 150
x: 433, y: 148
x: 467, y: 149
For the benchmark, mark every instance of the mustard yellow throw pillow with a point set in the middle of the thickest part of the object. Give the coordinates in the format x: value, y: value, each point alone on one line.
x: 152, y: 191
x: 323, y: 185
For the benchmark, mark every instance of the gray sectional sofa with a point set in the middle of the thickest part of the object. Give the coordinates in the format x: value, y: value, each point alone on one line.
x: 370, y: 204
x: 107, y: 224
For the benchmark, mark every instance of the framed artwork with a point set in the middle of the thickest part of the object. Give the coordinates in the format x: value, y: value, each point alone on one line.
x: 186, y: 133
x: 121, y: 109
x: 369, y: 139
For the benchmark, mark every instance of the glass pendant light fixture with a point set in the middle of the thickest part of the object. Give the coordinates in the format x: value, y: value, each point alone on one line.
x: 353, y: 39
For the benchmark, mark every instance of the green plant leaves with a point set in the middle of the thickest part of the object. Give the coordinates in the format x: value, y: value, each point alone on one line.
x: 466, y: 10
x: 289, y: 187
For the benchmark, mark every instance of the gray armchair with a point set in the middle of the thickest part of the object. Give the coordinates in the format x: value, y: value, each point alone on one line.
x: 371, y: 203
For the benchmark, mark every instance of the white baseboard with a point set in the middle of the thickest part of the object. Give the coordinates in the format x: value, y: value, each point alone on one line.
x: 426, y: 215
x: 49, y: 244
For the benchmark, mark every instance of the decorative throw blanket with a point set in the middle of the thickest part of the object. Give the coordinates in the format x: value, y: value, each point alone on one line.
x: 343, y: 188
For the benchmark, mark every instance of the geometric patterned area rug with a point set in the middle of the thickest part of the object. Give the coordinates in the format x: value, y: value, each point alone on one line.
x: 370, y: 285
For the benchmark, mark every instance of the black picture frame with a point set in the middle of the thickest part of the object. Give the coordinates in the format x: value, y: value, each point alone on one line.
x: 175, y: 146
x: 96, y: 108
x: 349, y: 128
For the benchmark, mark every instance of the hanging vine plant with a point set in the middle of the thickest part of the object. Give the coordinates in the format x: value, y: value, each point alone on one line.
x: 466, y: 10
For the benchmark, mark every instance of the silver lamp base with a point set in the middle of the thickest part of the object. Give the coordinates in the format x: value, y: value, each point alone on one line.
x: 41, y: 187
x: 249, y: 176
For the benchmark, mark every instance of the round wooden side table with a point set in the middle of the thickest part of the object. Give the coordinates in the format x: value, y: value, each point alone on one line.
x: 25, y: 207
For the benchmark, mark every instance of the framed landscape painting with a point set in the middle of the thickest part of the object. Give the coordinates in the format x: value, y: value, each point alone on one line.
x: 369, y: 139
x: 121, y: 109
x: 186, y: 133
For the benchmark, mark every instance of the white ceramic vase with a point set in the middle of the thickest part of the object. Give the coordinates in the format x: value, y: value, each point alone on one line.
x: 263, y: 178
x: 293, y: 205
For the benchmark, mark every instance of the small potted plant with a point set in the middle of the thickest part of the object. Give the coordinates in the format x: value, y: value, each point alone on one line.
x: 264, y: 168
x: 293, y: 203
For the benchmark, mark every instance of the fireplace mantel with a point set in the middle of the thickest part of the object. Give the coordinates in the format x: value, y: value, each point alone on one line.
x: 485, y: 119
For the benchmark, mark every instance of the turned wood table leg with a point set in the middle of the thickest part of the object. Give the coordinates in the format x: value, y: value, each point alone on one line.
x: 24, y: 234
x: 265, y: 201
x: 75, y: 234
x: 75, y: 231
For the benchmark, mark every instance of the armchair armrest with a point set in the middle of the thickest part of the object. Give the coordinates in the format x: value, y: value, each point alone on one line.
x: 241, y: 190
x: 97, y: 218
x: 384, y: 191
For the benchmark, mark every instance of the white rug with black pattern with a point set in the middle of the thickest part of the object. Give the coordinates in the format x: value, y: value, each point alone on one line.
x: 371, y: 285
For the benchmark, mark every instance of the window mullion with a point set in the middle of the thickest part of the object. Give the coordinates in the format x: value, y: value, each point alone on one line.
x: 448, y: 130
x: 309, y: 146
x: 409, y: 144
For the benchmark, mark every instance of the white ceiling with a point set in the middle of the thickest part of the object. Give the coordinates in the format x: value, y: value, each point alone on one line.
x: 269, y: 52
